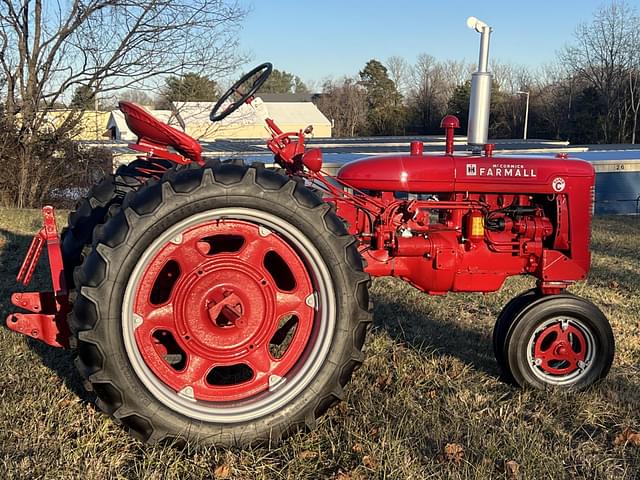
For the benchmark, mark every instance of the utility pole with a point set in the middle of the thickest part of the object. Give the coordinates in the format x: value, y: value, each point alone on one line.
x: 526, y: 113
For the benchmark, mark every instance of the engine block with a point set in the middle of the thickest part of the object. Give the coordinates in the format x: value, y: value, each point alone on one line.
x: 446, y: 223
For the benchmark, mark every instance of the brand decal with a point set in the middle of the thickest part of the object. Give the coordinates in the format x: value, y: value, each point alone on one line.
x: 500, y: 170
x: 558, y: 184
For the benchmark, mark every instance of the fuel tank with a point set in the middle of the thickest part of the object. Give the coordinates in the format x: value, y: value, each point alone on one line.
x: 432, y: 173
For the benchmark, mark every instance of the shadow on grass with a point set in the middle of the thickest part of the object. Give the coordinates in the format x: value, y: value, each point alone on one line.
x: 12, y: 253
x: 622, y: 252
x: 427, y: 332
x: 60, y: 361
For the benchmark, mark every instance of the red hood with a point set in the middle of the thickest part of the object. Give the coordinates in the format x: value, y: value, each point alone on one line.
x: 443, y: 173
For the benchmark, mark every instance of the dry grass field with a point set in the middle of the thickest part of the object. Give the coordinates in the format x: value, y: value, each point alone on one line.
x: 426, y: 404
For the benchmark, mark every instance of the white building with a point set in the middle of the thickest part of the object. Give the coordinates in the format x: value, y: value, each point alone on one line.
x: 290, y: 112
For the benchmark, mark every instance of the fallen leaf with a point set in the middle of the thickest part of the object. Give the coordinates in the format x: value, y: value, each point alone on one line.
x: 65, y: 402
x: 307, y: 454
x: 383, y: 381
x: 222, y: 471
x: 370, y: 462
x: 512, y: 469
x: 454, y: 452
x: 373, y: 433
x: 613, y: 284
x: 354, y: 475
x: 357, y: 448
x: 628, y: 436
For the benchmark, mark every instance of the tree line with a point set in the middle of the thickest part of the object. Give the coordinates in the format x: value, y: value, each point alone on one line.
x: 189, y: 87
x: 591, y: 94
x: 78, y: 53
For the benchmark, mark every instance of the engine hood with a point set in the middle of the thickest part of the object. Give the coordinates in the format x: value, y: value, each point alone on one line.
x: 445, y: 173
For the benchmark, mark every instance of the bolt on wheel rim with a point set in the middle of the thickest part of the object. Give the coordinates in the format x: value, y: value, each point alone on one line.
x: 561, y: 350
x: 228, y: 315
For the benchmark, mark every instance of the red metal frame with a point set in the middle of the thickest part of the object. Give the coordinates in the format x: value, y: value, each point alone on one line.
x: 440, y: 222
x: 48, y: 318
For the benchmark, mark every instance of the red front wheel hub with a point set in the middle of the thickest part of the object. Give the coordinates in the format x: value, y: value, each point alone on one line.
x: 223, y: 311
x: 561, y: 350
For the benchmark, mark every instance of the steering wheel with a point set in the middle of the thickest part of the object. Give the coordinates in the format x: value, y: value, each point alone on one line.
x: 263, y: 71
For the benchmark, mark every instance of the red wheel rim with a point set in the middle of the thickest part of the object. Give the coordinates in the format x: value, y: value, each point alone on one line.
x: 560, y: 349
x: 215, y: 302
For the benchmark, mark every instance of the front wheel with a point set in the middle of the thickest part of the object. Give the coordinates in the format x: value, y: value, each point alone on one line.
x: 225, y: 305
x: 557, y: 341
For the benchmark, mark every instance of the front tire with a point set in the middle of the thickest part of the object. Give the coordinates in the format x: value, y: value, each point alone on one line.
x: 508, y: 314
x: 189, y: 287
x: 558, y: 341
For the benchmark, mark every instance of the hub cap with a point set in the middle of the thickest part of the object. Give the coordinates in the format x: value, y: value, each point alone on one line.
x: 561, y: 350
x: 226, y: 317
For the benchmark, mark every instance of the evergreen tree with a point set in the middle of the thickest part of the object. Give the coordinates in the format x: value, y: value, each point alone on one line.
x: 499, y: 125
x: 190, y: 87
x: 386, y: 114
x: 459, y: 104
x: 283, y: 82
x: 83, y: 98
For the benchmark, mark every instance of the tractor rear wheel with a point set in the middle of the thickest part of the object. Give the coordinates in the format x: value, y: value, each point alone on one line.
x: 224, y: 304
x: 556, y: 341
x: 92, y: 210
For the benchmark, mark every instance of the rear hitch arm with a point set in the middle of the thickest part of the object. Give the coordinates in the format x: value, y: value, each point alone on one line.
x: 47, y: 320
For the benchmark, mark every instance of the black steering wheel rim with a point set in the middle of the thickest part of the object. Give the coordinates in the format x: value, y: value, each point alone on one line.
x: 214, y: 116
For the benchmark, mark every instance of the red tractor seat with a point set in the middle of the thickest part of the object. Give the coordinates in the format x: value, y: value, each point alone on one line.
x: 152, y: 131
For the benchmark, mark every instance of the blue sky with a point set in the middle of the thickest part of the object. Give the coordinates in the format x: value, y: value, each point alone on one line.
x: 330, y: 38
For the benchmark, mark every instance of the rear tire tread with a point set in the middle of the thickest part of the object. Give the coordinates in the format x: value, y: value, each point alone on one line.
x: 146, y: 204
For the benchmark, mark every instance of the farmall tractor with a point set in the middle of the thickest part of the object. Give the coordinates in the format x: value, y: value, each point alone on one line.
x: 227, y: 303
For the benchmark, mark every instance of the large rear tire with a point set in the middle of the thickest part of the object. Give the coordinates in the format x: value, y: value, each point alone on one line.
x: 224, y: 304
x: 92, y: 210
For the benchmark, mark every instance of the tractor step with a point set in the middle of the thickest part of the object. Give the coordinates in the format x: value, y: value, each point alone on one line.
x: 47, y: 320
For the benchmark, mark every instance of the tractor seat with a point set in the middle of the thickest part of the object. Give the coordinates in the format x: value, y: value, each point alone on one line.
x: 151, y: 130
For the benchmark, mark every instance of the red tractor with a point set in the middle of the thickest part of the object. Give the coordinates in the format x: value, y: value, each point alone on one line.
x: 227, y: 303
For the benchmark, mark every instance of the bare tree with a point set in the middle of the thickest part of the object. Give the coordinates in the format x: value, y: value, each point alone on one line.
x: 456, y: 73
x: 137, y: 96
x: 50, y: 48
x: 553, y: 93
x: 400, y: 72
x: 603, y: 55
x: 431, y: 88
x: 634, y: 99
x: 508, y: 106
x: 345, y: 103
x: 634, y: 84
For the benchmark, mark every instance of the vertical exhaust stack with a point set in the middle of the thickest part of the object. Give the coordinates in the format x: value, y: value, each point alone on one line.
x: 480, y: 100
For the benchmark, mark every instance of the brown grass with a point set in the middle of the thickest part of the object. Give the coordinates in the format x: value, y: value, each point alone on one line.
x: 426, y: 404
